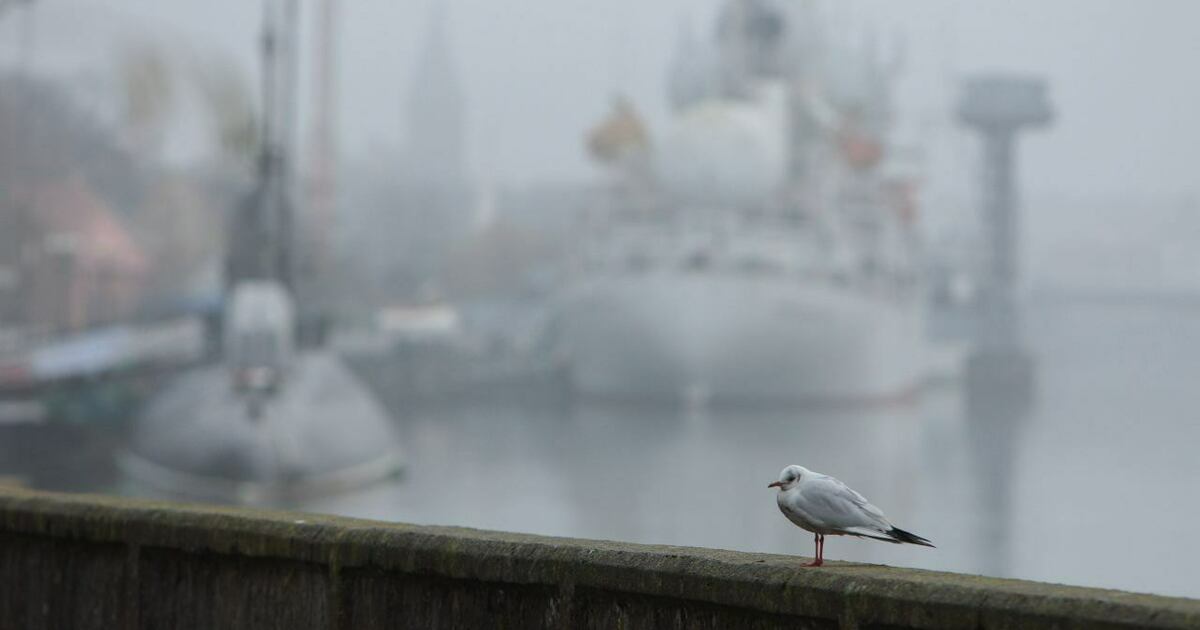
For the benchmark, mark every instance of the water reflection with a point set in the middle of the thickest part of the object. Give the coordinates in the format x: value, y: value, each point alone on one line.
x: 1036, y: 493
x: 992, y: 436
x: 645, y: 473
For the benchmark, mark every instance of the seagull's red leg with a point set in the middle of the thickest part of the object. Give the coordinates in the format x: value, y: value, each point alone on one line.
x: 819, y: 545
x: 817, y: 550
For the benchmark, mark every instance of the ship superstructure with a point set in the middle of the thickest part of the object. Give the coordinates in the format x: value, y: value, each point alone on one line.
x: 763, y: 245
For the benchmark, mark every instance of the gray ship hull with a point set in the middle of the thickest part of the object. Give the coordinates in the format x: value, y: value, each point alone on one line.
x: 677, y: 335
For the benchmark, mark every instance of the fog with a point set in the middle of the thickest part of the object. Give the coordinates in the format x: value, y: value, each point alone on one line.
x: 537, y: 74
x: 628, y: 258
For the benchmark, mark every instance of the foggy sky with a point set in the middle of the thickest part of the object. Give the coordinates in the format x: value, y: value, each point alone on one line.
x: 538, y: 73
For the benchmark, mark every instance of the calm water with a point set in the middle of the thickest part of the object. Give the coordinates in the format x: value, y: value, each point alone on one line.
x: 1097, y: 486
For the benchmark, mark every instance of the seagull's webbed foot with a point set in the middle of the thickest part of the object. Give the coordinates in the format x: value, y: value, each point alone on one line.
x: 814, y: 563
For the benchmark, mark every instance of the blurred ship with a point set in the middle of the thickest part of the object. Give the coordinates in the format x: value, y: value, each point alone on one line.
x: 764, y: 247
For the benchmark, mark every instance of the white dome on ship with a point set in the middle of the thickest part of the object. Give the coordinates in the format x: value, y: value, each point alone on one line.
x: 724, y: 152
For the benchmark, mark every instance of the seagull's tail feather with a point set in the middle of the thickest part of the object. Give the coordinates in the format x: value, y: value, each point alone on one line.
x: 899, y: 535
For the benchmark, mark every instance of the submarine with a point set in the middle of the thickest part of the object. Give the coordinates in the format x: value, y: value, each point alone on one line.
x: 276, y: 418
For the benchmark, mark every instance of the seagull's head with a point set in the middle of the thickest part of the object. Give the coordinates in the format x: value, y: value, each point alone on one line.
x: 788, y: 477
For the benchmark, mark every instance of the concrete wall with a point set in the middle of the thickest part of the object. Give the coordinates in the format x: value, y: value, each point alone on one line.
x: 74, y: 561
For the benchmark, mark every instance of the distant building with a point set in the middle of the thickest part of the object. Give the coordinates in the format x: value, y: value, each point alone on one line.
x: 435, y: 151
x: 411, y: 210
x: 68, y: 261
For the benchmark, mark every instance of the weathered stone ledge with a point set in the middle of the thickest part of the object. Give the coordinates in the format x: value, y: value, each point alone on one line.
x: 78, y: 561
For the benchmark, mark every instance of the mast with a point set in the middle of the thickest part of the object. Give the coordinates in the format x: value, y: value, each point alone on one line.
x: 323, y: 151
x: 260, y: 237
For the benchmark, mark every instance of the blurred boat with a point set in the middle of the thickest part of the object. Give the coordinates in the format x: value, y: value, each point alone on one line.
x: 764, y: 247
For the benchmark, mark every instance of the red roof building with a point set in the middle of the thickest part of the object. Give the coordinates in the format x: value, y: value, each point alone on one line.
x: 78, y: 266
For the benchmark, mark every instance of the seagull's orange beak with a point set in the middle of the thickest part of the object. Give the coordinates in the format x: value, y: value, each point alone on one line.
x: 775, y: 484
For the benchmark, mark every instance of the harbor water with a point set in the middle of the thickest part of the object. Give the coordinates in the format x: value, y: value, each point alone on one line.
x: 1062, y: 495
x: 1094, y: 486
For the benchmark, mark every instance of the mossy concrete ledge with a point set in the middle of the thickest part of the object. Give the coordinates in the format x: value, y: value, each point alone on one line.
x: 77, y: 561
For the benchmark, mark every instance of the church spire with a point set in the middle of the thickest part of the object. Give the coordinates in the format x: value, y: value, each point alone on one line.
x: 435, y: 138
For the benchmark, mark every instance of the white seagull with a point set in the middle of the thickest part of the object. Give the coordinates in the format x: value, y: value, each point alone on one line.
x: 825, y: 506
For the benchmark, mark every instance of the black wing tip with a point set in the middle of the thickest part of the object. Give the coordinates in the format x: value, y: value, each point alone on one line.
x: 909, y: 537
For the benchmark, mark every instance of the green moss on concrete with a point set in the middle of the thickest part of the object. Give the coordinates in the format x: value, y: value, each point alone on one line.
x: 854, y: 594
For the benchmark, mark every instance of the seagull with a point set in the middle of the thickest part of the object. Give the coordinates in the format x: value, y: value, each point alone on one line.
x: 825, y: 506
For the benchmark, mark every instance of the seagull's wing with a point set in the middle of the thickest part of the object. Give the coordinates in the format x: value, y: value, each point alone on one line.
x: 834, y: 505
